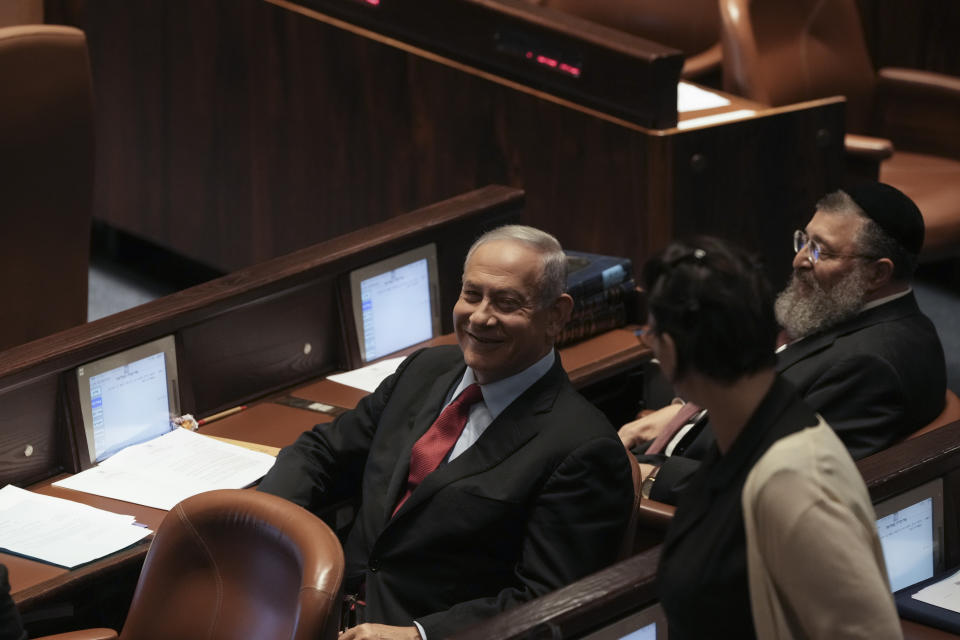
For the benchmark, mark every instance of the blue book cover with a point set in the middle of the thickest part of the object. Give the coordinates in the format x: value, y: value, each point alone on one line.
x: 591, y: 273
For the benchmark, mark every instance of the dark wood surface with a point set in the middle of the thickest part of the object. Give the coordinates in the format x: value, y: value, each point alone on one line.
x: 918, y: 34
x: 231, y: 132
x: 239, y: 337
x: 571, y: 611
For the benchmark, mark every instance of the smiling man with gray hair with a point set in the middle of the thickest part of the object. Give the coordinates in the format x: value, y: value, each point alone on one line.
x: 484, y: 479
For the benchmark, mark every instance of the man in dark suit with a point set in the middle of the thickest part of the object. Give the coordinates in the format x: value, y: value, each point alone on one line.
x: 534, y: 493
x: 857, y: 347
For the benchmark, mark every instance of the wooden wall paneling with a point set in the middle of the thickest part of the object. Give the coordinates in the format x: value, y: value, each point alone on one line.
x: 919, y: 34
x: 29, y: 429
x: 775, y: 167
x: 262, y: 131
x: 231, y: 357
x: 274, y: 131
x: 239, y: 336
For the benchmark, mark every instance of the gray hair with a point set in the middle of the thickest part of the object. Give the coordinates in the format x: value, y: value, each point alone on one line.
x: 553, y: 278
x: 872, y: 239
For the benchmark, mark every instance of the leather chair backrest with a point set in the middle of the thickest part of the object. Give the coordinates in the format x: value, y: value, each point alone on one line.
x: 778, y: 52
x: 46, y: 180
x: 689, y: 25
x: 950, y: 413
x: 21, y: 12
x: 234, y: 564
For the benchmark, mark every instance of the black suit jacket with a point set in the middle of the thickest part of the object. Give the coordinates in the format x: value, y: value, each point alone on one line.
x: 875, y: 378
x: 540, y: 500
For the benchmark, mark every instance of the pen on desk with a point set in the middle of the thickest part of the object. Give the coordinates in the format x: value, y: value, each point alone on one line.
x: 222, y: 414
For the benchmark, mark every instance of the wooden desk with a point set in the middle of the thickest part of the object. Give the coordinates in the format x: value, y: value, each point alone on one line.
x: 245, y: 160
x: 267, y: 422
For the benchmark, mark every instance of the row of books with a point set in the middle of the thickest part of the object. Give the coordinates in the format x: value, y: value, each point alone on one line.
x: 604, y: 294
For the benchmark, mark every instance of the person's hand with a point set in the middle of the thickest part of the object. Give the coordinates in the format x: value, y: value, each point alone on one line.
x: 648, y: 427
x: 370, y: 631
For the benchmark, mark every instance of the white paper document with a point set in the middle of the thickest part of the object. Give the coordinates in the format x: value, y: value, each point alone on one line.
x: 945, y: 594
x: 369, y: 377
x: 716, y: 118
x: 162, y: 472
x: 60, y: 531
x: 690, y: 97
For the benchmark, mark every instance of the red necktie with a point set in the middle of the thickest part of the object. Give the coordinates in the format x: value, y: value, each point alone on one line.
x: 682, y: 417
x: 434, y: 445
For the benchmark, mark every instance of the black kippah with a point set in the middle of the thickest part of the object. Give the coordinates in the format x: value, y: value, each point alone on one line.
x: 892, y: 210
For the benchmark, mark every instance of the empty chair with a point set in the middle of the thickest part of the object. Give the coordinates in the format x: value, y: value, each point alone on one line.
x: 692, y: 26
x: 234, y: 564
x: 46, y: 180
x: 783, y: 52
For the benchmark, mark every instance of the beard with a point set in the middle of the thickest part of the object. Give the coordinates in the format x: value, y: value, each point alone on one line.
x: 805, y: 307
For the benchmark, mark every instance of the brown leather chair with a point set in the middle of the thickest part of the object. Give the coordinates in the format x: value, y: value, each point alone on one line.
x: 234, y: 564
x: 629, y: 538
x: 46, y: 180
x: 649, y: 519
x: 784, y: 52
x: 21, y: 12
x: 950, y: 413
x: 692, y: 26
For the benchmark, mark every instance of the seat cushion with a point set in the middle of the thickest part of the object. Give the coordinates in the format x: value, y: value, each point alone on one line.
x: 933, y: 182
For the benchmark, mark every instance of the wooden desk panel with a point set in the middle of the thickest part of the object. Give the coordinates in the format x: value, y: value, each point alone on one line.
x: 268, y: 423
x: 239, y: 338
x: 286, y: 149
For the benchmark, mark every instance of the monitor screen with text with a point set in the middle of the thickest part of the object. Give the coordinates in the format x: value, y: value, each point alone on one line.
x: 909, y: 526
x: 129, y: 397
x: 395, y: 302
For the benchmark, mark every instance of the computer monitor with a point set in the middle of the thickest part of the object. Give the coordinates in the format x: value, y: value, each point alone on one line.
x: 910, y: 526
x: 650, y: 623
x: 395, y: 302
x: 127, y: 398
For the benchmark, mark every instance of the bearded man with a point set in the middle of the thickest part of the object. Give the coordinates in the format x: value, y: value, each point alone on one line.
x: 857, y: 347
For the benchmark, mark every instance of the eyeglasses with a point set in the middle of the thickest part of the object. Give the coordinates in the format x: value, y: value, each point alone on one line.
x: 801, y: 240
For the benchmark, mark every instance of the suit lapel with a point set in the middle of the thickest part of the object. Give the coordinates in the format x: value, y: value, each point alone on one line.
x: 513, y: 428
x: 418, y: 426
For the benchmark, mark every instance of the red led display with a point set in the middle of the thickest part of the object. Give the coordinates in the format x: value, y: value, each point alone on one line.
x: 553, y: 63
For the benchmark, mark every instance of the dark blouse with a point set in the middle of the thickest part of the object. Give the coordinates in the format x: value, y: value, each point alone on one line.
x: 10, y: 625
x: 702, y: 576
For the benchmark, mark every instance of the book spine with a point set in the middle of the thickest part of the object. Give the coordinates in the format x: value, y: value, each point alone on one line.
x: 598, y: 282
x: 592, y: 324
x: 617, y: 293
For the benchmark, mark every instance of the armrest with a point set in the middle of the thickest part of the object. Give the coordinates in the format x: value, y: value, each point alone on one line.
x: 918, y: 110
x: 86, y: 634
x: 702, y: 63
x: 653, y: 514
x: 867, y: 147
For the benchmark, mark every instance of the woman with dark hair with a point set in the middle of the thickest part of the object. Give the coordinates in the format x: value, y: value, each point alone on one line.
x: 775, y: 536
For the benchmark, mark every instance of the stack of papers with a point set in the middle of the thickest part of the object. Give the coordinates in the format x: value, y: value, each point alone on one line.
x: 945, y: 593
x: 60, y: 531
x: 163, y: 471
x: 369, y: 377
